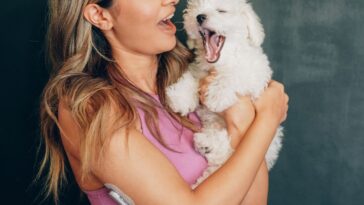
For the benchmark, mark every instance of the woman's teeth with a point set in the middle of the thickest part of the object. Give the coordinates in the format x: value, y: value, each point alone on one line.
x: 169, y: 17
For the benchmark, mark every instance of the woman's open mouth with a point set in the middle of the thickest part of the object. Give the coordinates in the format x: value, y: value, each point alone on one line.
x: 167, y: 25
x: 212, y: 43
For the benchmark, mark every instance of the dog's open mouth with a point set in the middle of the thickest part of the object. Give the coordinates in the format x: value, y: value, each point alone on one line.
x: 212, y: 43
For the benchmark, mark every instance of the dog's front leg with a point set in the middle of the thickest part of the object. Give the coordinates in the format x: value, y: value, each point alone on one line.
x: 182, y: 97
x: 214, y: 144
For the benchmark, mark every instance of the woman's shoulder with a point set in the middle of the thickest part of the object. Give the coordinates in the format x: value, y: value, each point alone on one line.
x: 70, y: 131
x: 75, y: 120
x: 106, y: 112
x: 71, y: 137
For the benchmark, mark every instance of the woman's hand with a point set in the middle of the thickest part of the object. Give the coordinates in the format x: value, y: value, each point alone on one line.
x: 204, y: 83
x: 238, y: 117
x: 273, y: 103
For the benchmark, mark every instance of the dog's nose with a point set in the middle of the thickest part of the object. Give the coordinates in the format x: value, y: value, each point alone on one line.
x: 201, y: 18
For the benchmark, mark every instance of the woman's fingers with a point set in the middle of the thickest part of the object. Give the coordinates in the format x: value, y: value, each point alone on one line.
x: 273, y: 102
x: 204, y: 83
x: 212, y: 71
x: 286, y: 109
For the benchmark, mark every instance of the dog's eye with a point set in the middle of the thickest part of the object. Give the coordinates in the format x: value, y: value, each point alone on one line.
x: 221, y: 10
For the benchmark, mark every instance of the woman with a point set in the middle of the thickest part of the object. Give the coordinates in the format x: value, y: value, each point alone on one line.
x: 104, y: 111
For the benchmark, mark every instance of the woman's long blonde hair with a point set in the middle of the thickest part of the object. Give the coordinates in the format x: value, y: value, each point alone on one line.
x: 89, y: 81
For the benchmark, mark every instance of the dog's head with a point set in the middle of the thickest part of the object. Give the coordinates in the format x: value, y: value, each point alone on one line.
x: 216, y: 21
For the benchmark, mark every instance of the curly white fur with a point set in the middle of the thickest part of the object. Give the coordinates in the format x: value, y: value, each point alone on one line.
x: 242, y: 68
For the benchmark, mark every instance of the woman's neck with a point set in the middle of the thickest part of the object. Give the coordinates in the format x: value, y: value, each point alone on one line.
x: 140, y: 69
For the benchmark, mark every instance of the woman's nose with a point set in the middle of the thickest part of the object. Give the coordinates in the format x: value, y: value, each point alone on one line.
x: 167, y: 2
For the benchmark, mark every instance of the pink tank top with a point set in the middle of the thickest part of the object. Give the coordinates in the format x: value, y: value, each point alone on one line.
x: 189, y: 163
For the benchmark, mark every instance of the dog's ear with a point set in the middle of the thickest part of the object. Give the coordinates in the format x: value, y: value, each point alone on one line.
x: 255, y: 28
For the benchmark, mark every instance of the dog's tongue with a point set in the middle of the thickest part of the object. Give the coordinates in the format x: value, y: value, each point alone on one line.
x: 213, y: 45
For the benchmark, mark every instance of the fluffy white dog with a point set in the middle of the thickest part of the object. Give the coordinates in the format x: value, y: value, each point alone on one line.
x: 226, y: 35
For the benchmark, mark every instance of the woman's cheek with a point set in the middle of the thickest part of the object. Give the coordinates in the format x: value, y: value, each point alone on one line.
x: 143, y: 12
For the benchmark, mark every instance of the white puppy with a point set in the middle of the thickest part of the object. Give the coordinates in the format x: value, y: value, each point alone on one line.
x: 226, y: 35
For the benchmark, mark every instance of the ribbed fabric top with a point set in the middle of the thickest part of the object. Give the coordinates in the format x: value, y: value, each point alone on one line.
x: 189, y: 163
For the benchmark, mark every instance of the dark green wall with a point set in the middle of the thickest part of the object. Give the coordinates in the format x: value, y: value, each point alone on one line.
x: 316, y: 48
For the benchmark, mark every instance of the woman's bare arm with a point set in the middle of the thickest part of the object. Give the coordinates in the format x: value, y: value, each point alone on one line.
x: 258, y: 192
x: 146, y: 175
x: 234, y: 179
x: 237, y: 125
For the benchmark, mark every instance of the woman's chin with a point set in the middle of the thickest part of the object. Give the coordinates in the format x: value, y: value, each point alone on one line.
x: 174, y: 43
x: 169, y: 45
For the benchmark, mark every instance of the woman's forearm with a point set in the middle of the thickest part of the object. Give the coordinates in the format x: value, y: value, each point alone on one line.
x: 231, y: 183
x: 237, y: 132
x: 258, y: 192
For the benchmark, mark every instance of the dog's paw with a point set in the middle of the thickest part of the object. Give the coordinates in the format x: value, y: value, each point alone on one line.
x: 205, y: 150
x: 214, y: 145
x: 182, y: 96
x: 202, y: 143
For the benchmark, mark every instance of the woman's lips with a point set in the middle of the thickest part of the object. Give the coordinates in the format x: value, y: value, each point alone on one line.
x: 167, y: 26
